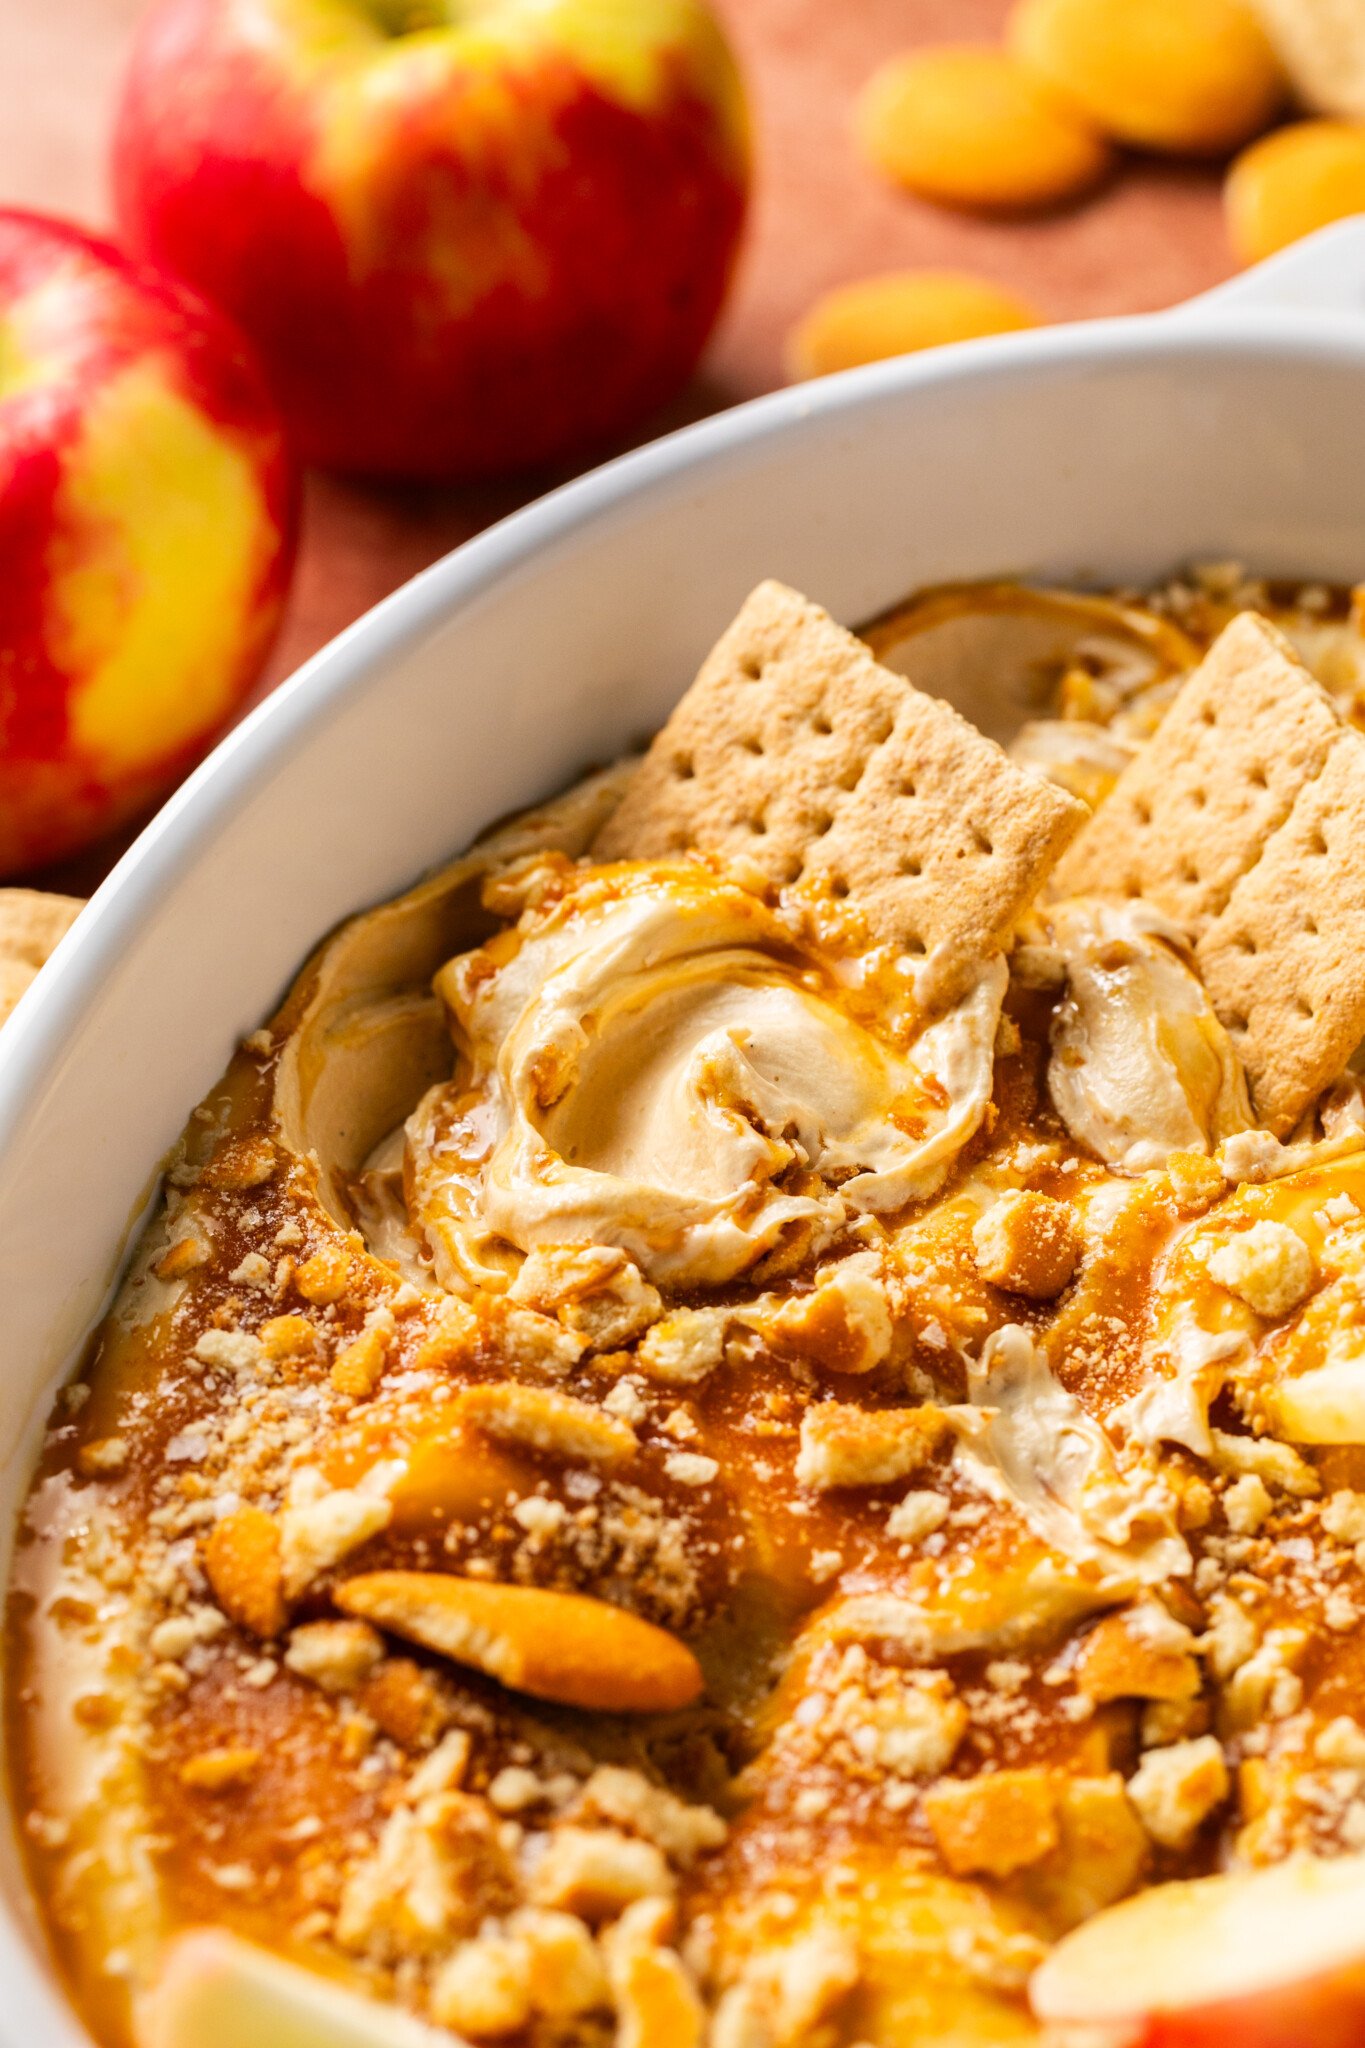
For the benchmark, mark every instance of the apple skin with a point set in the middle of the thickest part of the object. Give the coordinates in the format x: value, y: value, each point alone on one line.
x: 463, y: 250
x: 1264, y: 1956
x: 147, y: 517
x: 1322, y: 2012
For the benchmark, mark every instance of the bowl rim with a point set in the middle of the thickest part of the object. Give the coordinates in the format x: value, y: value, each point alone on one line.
x: 355, y: 658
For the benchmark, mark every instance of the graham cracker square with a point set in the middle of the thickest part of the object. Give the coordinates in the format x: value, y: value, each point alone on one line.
x: 1190, y: 814
x: 1284, y: 962
x: 797, y: 754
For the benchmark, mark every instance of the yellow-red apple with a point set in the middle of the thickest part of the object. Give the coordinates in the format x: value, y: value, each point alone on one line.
x: 1267, y: 1958
x: 467, y: 236
x: 146, y: 533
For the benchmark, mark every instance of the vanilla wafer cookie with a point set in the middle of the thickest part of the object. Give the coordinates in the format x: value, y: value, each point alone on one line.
x: 1284, y: 963
x: 797, y: 754
x: 1195, y: 809
x: 31, y: 922
x: 1321, y: 44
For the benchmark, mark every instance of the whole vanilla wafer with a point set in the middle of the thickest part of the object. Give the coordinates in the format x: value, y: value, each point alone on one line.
x: 31, y: 922
x: 1194, y: 810
x: 796, y: 754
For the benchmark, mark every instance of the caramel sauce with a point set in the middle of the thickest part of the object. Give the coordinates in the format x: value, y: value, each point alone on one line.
x: 111, y: 1705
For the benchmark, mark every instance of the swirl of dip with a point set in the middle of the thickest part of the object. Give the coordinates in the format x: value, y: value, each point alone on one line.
x: 650, y: 1062
x: 1141, y: 1066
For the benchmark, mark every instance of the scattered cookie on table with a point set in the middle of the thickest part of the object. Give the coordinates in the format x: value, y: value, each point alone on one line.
x: 31, y: 923
x: 1244, y: 818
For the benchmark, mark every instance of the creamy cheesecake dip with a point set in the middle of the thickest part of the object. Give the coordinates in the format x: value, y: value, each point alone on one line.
x: 749, y: 1408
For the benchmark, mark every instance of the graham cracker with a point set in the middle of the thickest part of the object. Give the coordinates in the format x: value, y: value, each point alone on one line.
x: 1244, y: 818
x: 797, y: 754
x: 31, y: 922
x: 1194, y: 810
x: 1284, y: 963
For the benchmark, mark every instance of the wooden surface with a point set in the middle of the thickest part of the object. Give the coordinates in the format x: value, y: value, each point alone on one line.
x: 1151, y: 238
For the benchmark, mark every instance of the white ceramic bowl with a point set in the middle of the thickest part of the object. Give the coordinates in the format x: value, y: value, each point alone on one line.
x: 1234, y: 427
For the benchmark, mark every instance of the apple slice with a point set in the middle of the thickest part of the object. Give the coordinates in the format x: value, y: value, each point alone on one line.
x: 1270, y: 1958
x: 216, y: 1991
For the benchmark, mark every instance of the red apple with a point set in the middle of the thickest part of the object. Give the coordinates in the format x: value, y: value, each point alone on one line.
x: 466, y: 238
x: 146, y: 533
x: 1269, y: 1958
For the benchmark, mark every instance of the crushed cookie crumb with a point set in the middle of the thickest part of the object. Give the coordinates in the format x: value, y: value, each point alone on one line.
x: 103, y: 1457
x: 186, y: 1255
x: 1268, y: 1266
x: 322, y: 1278
x: 1176, y: 1789
x: 220, y: 1770
x: 691, y: 1468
